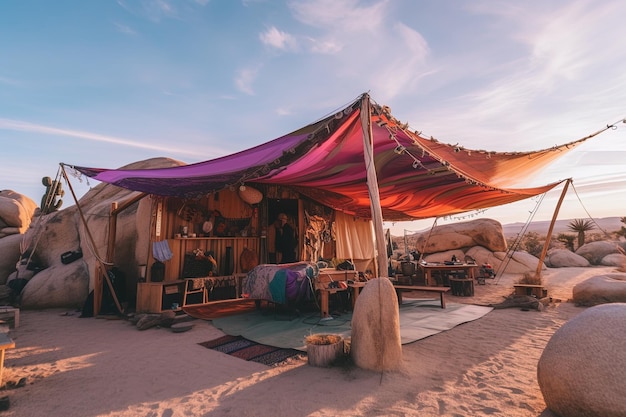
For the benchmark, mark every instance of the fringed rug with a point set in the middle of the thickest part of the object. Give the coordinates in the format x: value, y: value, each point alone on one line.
x: 222, y: 308
x: 248, y: 350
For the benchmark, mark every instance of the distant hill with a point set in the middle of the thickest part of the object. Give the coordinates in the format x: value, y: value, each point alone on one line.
x: 608, y: 224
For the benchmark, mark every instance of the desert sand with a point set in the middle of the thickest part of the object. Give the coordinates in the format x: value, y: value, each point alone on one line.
x: 91, y: 367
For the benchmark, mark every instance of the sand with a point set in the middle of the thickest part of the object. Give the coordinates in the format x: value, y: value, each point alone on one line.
x: 102, y: 367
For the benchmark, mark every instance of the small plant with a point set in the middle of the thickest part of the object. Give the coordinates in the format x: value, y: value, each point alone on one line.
x: 322, y: 339
x: 567, y: 240
x: 531, y: 279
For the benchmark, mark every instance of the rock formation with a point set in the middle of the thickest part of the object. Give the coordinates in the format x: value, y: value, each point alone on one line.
x: 601, y: 289
x: 483, y: 232
x: 581, y: 370
x: 16, y: 212
x: 562, y: 258
x: 594, y: 252
x: 54, y: 283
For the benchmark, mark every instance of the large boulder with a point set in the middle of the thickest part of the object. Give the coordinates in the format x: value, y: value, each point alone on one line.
x: 595, y: 251
x: 16, y: 212
x: 483, y: 232
x: 57, y: 286
x: 518, y: 262
x: 445, y: 256
x: 614, y: 259
x: 563, y: 258
x: 375, y: 343
x: 581, y: 370
x: 601, y: 289
x: 10, y: 256
x: 68, y: 284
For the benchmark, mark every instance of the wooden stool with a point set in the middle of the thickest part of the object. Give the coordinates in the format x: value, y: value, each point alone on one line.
x: 462, y: 287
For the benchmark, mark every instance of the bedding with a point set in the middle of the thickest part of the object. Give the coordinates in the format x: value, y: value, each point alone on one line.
x: 282, y: 284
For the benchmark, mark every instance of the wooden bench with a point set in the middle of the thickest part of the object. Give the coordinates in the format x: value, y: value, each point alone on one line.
x: 5, y: 343
x: 441, y: 290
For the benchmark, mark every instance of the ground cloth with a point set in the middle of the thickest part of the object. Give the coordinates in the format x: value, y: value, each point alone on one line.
x: 418, y: 319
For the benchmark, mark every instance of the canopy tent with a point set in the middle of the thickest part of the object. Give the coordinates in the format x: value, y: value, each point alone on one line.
x: 417, y: 177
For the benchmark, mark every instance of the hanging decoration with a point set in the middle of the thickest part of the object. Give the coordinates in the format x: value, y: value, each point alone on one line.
x: 250, y: 195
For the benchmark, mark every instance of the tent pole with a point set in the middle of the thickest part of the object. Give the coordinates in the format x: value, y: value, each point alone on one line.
x: 101, y: 268
x: 372, y: 186
x: 551, y: 228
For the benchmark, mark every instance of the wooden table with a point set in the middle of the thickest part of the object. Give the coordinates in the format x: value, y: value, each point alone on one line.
x: 5, y: 343
x: 429, y: 267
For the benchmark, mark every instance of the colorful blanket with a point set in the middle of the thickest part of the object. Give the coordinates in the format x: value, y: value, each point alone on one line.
x: 282, y: 283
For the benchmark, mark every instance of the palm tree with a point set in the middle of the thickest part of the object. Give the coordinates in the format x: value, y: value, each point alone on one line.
x: 580, y: 226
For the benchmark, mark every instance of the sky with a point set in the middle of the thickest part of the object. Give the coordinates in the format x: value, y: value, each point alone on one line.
x: 108, y: 83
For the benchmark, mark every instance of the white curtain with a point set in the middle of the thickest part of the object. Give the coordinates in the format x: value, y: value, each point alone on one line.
x: 355, y: 237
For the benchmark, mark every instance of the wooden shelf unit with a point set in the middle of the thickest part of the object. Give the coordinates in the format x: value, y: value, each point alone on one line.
x: 217, y: 245
x: 155, y: 297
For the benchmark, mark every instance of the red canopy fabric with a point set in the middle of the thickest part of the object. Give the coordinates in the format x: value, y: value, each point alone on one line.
x: 417, y: 177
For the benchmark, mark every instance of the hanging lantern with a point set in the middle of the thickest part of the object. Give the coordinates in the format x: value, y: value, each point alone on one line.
x: 250, y: 195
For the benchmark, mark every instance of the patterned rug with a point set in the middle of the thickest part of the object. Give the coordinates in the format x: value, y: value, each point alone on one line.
x: 248, y: 350
x: 222, y: 308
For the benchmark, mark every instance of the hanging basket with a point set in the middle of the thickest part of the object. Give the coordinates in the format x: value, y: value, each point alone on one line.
x: 250, y: 195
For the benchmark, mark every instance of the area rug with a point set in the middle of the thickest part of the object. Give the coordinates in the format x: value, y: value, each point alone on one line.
x: 222, y: 308
x: 248, y: 350
x: 419, y: 318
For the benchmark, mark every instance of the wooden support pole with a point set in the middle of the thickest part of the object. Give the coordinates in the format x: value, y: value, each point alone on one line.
x: 551, y: 228
x: 101, y: 269
x: 112, y: 234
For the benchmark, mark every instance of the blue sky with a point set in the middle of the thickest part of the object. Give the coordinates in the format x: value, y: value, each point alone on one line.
x: 107, y: 83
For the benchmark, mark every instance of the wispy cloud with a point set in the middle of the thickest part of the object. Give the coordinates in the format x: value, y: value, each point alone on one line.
x: 9, y: 81
x: 278, y: 39
x: 244, y: 80
x: 21, y: 126
x: 153, y: 10
x: 124, y: 29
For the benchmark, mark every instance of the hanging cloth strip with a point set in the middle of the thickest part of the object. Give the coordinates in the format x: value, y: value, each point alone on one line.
x: 161, y: 251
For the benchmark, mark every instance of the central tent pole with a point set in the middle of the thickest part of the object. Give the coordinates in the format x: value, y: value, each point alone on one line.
x: 372, y: 186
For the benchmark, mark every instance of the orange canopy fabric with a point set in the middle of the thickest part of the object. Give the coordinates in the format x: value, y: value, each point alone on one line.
x: 418, y: 178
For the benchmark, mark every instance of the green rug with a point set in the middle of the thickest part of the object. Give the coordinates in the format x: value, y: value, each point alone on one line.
x: 418, y: 319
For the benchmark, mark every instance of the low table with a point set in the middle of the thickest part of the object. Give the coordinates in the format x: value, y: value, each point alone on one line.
x: 426, y: 288
x: 447, y: 269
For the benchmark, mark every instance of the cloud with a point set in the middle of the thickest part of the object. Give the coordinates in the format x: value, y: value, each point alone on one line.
x: 21, y: 126
x: 340, y: 16
x: 124, y: 29
x: 9, y: 81
x: 278, y: 39
x: 244, y: 80
x: 153, y: 10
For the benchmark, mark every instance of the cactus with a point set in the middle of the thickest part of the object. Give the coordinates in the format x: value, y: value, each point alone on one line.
x: 51, y: 200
